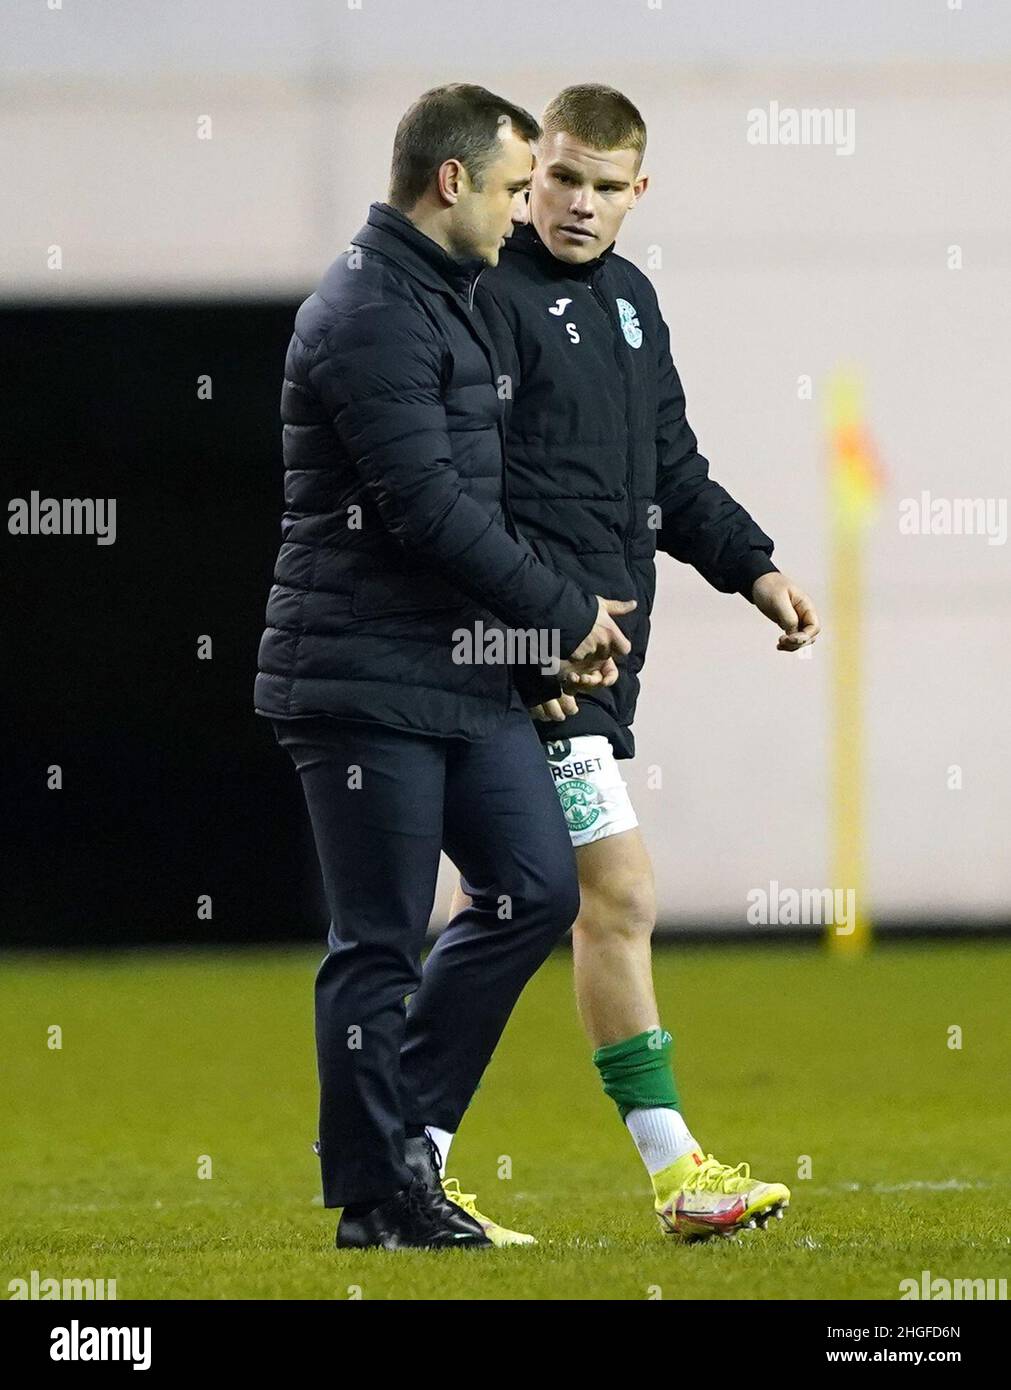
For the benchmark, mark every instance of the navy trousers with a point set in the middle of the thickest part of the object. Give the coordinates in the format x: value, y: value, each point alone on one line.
x: 383, y: 803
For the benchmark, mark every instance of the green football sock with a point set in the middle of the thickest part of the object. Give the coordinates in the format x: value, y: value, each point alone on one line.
x: 637, y: 1073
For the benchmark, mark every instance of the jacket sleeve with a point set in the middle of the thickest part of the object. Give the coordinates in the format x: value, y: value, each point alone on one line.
x: 379, y: 375
x: 534, y: 686
x: 700, y: 523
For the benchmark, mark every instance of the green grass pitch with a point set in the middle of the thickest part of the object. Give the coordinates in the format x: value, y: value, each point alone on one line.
x: 780, y: 1053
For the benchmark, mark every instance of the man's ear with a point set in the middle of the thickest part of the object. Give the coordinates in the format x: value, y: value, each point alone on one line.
x: 452, y: 181
x: 639, y: 189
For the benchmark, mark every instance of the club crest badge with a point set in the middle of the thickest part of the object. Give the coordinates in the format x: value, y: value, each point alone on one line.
x: 579, y: 802
x: 629, y: 323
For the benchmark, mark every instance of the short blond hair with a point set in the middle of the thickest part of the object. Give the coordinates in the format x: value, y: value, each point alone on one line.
x: 598, y: 116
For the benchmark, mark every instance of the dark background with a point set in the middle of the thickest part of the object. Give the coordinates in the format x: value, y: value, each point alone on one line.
x: 172, y: 786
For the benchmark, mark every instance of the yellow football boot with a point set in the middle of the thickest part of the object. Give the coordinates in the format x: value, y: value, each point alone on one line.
x: 498, y: 1235
x: 698, y: 1197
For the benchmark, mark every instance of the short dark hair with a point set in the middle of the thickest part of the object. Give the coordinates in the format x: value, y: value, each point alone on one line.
x: 458, y: 121
x: 598, y: 116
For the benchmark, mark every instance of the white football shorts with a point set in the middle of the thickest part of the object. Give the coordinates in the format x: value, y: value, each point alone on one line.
x: 590, y: 787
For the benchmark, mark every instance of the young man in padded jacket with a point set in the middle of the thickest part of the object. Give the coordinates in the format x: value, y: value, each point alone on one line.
x: 603, y: 469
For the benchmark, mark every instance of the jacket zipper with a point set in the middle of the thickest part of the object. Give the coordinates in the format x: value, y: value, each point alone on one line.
x: 510, y: 524
x: 620, y: 358
x: 473, y: 287
x: 506, y: 509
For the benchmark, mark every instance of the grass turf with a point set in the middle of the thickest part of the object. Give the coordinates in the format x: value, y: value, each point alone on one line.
x: 780, y: 1053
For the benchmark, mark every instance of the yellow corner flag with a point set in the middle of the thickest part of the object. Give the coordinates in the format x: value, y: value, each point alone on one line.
x: 856, y: 485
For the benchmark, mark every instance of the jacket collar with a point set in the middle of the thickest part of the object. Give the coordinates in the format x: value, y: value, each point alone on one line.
x: 525, y: 240
x: 396, y: 236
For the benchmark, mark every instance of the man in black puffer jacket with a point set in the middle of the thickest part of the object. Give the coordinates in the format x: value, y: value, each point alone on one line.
x: 603, y: 469
x: 395, y: 542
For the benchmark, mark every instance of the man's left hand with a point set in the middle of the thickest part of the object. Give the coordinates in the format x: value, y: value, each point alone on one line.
x: 554, y: 710
x: 780, y: 599
x: 573, y: 679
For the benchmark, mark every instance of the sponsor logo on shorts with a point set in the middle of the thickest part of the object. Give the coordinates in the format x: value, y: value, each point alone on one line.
x: 579, y: 767
x: 579, y: 802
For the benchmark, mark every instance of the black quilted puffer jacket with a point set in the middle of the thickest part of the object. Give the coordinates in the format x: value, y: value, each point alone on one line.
x: 603, y: 466
x: 394, y: 535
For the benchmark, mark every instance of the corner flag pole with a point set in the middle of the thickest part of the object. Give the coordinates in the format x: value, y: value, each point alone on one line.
x: 856, y: 482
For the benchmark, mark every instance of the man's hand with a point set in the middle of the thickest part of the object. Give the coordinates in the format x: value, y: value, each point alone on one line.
x: 554, y: 709
x: 779, y: 598
x: 573, y: 676
x: 565, y: 704
x: 605, y: 639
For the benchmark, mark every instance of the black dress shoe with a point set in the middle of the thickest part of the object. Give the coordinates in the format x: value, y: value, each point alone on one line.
x: 409, y: 1220
x: 424, y: 1160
